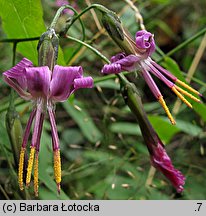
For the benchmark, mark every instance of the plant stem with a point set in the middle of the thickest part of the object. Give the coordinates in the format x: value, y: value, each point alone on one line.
x: 64, y: 31
x: 184, y: 44
x: 17, y: 40
x: 90, y: 47
x: 58, y: 14
x: 97, y: 6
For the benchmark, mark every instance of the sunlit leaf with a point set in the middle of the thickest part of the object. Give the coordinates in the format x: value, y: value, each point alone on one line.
x: 23, y: 19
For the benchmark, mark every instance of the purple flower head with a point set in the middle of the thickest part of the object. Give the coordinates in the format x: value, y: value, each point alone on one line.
x: 161, y: 161
x: 141, y: 60
x: 44, y: 87
x: 145, y: 42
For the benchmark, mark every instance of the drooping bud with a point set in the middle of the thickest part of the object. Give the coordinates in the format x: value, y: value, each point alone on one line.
x: 158, y: 154
x: 48, y: 49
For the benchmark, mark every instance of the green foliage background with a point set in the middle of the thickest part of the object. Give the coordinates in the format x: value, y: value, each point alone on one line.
x: 103, y: 152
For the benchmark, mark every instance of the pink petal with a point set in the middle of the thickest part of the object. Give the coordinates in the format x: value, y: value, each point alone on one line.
x: 38, y: 81
x: 163, y: 70
x: 128, y: 63
x: 162, y: 162
x: 28, y: 128
x: 117, y: 57
x: 22, y: 93
x: 62, y: 83
x: 150, y: 82
x: 145, y: 41
x: 113, y: 68
x: 161, y: 76
x: 39, y: 118
x: 60, y: 3
x: 17, y: 72
x: 85, y: 82
x: 15, y: 77
x: 55, y: 138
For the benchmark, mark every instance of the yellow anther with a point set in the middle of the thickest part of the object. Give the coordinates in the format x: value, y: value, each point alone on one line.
x: 30, y: 166
x: 57, y: 168
x: 36, y: 174
x: 181, y: 97
x: 187, y: 94
x: 163, y: 104
x: 187, y: 87
x: 21, y: 168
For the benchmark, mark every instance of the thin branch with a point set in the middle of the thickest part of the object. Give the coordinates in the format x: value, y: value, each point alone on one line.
x: 137, y: 14
x: 94, y: 16
x: 90, y: 47
x: 17, y: 40
x: 196, y: 59
x: 185, y: 43
x: 191, y: 70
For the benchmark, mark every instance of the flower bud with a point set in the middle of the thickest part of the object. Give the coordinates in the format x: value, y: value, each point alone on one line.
x: 48, y: 49
x: 158, y: 154
x: 113, y: 26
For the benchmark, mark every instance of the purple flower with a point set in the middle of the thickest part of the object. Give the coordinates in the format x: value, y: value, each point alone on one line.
x: 44, y: 87
x: 141, y: 60
x: 161, y: 161
x: 60, y: 3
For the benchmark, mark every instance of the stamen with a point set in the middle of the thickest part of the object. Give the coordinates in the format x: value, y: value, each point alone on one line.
x: 163, y: 104
x: 181, y: 97
x: 21, y: 169
x: 36, y: 174
x: 187, y: 94
x: 187, y: 87
x: 30, y: 165
x: 57, y: 168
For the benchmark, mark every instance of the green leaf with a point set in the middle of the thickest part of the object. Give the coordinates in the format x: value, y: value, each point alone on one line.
x: 108, y: 84
x: 125, y: 128
x: 84, y: 121
x: 200, y: 109
x: 163, y: 128
x: 166, y: 131
x: 173, y: 67
x: 188, y: 128
x: 23, y: 19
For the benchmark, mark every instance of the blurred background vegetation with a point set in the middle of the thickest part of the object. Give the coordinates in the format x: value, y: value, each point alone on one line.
x: 103, y: 152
